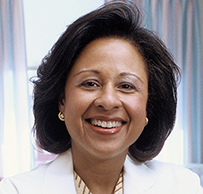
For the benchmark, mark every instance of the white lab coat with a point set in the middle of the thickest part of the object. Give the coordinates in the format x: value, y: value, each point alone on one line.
x: 152, y: 177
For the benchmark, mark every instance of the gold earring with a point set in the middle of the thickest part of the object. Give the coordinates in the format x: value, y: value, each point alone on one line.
x: 146, y: 121
x: 61, y: 116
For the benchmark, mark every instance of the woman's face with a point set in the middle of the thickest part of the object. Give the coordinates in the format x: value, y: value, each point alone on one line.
x: 105, y: 98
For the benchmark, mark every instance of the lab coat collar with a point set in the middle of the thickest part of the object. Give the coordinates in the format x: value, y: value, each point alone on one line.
x: 138, y: 178
x: 59, y: 175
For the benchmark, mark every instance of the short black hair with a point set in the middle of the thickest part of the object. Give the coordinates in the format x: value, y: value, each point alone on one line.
x: 121, y: 20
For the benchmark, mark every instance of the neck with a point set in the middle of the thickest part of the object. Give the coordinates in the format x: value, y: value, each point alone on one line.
x: 100, y: 175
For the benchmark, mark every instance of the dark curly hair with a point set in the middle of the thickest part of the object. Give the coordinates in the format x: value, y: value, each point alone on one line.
x: 121, y: 20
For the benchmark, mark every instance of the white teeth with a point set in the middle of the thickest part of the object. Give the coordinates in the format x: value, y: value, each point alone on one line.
x: 106, y: 124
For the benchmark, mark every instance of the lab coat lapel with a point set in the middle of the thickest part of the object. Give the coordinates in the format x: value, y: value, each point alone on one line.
x: 59, y: 175
x: 138, y: 178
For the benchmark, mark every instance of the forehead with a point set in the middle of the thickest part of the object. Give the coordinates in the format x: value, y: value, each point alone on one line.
x: 116, y: 51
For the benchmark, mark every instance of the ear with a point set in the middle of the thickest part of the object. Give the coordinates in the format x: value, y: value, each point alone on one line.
x: 61, y: 103
x: 61, y: 106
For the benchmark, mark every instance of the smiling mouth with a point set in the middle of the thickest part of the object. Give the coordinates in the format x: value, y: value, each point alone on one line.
x: 105, y: 124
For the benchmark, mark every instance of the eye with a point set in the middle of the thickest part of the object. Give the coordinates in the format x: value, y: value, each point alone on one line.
x: 90, y: 84
x: 127, y: 87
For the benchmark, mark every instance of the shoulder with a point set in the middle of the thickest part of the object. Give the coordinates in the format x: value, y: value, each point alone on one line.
x: 160, y: 177
x: 43, y: 179
x: 176, y: 177
x: 28, y: 182
x: 165, y: 169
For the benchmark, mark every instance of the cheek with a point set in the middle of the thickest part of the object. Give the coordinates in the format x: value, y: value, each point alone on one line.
x: 137, y: 113
x: 73, y: 101
x: 73, y: 113
x: 75, y: 106
x: 136, y: 107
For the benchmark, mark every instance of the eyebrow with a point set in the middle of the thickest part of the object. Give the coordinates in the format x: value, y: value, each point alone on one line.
x: 97, y: 72
x: 131, y: 74
x: 87, y: 70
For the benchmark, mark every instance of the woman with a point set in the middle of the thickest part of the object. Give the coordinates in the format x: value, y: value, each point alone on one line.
x: 105, y: 101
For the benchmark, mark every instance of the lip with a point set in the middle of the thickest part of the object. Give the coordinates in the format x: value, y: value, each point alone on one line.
x: 105, y: 131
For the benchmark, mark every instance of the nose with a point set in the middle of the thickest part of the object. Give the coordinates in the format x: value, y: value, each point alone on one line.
x: 108, y: 98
